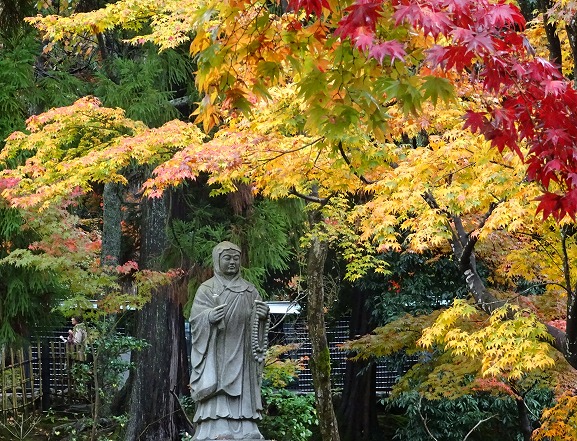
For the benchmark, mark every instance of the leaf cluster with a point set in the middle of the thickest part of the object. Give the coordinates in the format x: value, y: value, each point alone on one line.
x: 559, y: 423
x: 72, y: 147
x: 401, y: 334
x: 288, y: 415
x: 279, y: 369
x: 477, y: 415
x: 44, y: 259
x: 512, y: 342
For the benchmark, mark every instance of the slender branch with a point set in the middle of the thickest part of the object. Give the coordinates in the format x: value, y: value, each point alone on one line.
x: 473, y: 238
x: 451, y: 173
x: 456, y: 243
x: 181, y: 409
x: 348, y: 162
x: 313, y: 199
x: 156, y: 421
x: 477, y: 425
x: 286, y: 152
x: 566, y: 270
x: 550, y: 250
x: 424, y: 420
x: 294, y: 302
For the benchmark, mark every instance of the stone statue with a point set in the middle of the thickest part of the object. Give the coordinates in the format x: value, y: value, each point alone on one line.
x: 229, y: 325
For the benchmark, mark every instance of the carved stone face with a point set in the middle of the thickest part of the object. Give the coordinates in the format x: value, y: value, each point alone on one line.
x: 229, y: 262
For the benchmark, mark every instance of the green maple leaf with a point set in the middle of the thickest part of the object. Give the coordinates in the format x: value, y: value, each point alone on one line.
x: 437, y: 87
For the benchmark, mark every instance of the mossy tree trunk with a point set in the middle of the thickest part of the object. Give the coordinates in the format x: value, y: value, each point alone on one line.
x: 320, y: 358
x: 162, y: 366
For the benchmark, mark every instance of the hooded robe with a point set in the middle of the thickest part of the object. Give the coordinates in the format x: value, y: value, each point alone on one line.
x: 225, y: 378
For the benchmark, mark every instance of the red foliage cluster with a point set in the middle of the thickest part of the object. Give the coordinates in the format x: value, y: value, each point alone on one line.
x: 559, y: 324
x: 493, y: 385
x: 536, y: 105
x: 310, y: 6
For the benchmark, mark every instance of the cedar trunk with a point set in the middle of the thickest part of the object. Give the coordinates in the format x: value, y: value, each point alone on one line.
x: 162, y: 366
x: 320, y: 358
x: 111, y: 224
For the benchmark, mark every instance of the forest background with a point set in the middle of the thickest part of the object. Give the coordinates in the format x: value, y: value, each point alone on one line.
x: 410, y: 163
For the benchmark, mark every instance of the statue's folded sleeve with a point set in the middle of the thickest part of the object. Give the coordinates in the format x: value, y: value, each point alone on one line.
x: 204, y: 370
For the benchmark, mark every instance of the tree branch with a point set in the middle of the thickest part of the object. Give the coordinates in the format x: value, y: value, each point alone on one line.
x: 566, y: 271
x: 477, y: 425
x: 348, y: 162
x: 285, y: 152
x: 467, y: 253
x: 310, y: 198
x: 456, y: 243
x: 424, y: 420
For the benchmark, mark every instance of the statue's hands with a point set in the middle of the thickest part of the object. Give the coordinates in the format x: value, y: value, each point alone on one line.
x: 262, y: 309
x: 216, y: 314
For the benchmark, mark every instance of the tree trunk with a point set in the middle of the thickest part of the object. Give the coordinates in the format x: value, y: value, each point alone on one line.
x: 111, y: 224
x: 357, y: 411
x: 553, y: 41
x: 320, y: 358
x: 524, y: 421
x: 571, y: 29
x: 463, y: 245
x: 162, y: 366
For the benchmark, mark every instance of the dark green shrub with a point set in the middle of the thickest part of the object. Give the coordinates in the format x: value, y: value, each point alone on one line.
x: 288, y: 416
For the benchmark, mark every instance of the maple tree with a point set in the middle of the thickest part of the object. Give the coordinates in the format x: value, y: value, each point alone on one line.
x: 508, y: 69
x: 339, y: 80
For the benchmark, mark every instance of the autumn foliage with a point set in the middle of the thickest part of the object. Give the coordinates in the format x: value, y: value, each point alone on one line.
x: 351, y: 61
x: 414, y: 124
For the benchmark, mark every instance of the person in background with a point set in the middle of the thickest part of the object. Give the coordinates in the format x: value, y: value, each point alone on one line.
x: 76, y: 339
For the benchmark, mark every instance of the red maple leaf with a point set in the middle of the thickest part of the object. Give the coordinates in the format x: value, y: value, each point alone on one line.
x: 436, y: 55
x: 392, y: 49
x: 458, y: 57
x: 361, y: 18
x: 504, y: 15
x: 310, y: 6
x: 571, y: 179
x: 476, y: 121
x: 558, y: 206
x: 556, y: 135
x: 478, y: 42
x: 423, y: 16
x: 555, y: 87
x: 364, y: 41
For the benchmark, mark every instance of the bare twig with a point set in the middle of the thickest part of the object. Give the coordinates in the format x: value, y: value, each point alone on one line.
x: 477, y: 425
x: 293, y: 303
x: 286, y: 152
x: 424, y: 420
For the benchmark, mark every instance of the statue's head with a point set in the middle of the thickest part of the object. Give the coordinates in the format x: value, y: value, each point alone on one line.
x: 226, y: 259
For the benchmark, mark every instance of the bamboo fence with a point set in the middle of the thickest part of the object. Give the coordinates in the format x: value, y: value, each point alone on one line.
x: 20, y: 379
x: 28, y: 375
